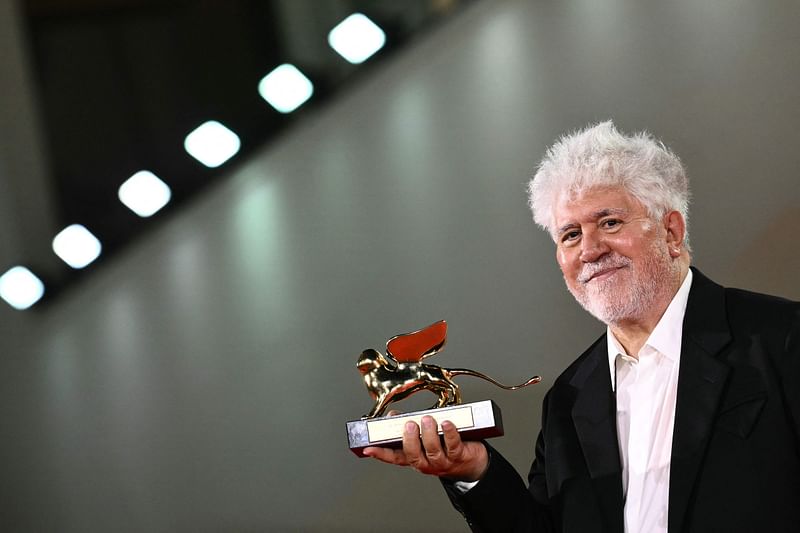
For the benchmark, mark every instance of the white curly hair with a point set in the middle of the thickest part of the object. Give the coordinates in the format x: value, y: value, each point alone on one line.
x: 601, y: 156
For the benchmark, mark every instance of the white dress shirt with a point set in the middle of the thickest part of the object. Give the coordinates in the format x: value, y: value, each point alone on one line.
x: 646, y: 390
x: 646, y: 387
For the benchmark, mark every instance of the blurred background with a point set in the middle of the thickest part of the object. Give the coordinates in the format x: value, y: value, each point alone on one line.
x: 208, y: 209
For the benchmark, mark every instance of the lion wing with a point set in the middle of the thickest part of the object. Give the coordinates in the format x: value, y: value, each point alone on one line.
x: 417, y: 345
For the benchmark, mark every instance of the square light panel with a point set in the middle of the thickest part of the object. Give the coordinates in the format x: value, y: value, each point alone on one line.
x: 356, y: 38
x: 76, y: 246
x: 20, y: 288
x: 144, y: 193
x: 212, y: 144
x: 285, y: 88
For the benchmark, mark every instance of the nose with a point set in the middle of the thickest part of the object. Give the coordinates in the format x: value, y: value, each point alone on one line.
x: 593, y: 247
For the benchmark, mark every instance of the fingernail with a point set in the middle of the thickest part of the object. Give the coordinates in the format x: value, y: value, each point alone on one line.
x: 411, y: 427
x: 427, y: 422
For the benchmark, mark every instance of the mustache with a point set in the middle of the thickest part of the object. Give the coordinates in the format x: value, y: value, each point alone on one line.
x: 607, y: 262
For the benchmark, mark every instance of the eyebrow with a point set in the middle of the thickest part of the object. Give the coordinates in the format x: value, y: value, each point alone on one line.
x: 608, y: 211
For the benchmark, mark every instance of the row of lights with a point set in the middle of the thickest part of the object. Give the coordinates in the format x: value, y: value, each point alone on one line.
x: 286, y: 88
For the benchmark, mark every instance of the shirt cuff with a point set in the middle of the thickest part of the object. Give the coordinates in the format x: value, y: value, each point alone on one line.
x: 464, y: 486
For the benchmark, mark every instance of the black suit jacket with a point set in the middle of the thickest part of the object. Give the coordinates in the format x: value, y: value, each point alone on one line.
x: 735, y: 450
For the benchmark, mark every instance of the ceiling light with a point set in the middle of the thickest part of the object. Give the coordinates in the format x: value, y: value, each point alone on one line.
x: 356, y: 38
x: 144, y: 193
x: 76, y: 246
x: 212, y: 144
x: 285, y: 88
x: 20, y: 288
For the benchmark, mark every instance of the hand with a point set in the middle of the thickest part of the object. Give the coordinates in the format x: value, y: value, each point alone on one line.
x: 456, y: 460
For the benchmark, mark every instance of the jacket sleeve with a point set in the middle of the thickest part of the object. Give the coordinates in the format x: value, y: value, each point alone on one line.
x: 501, y: 502
x: 790, y: 370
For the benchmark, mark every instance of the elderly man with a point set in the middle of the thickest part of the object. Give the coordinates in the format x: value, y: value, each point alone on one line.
x: 684, y: 416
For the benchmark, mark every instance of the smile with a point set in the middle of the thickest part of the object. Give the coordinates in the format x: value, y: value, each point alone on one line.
x: 604, y: 274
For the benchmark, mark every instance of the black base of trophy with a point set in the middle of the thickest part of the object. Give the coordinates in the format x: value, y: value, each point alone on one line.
x: 474, y: 421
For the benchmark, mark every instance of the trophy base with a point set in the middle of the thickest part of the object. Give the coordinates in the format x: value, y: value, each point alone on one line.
x: 474, y: 421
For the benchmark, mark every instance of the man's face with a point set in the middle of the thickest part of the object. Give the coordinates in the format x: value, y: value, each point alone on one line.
x: 614, y: 257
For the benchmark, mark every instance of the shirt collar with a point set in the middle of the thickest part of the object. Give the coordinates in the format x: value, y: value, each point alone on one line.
x: 665, y: 337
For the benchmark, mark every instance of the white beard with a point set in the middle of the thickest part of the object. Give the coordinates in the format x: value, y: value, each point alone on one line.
x: 632, y: 291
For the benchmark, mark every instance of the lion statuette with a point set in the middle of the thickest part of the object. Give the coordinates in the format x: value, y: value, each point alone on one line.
x: 401, y: 372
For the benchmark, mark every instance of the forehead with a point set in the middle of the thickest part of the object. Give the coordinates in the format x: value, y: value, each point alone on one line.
x: 595, y: 203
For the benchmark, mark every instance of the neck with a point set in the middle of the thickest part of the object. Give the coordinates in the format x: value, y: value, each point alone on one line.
x: 632, y: 336
x: 633, y: 333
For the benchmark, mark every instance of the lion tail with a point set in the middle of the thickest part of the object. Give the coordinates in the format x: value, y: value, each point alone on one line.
x: 475, y: 373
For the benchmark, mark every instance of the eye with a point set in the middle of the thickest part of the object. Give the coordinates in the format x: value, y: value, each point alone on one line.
x: 611, y: 224
x: 570, y: 237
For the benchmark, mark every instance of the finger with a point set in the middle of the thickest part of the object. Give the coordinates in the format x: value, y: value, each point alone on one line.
x: 453, y: 445
x: 432, y: 442
x: 394, y: 412
x: 412, y: 447
x: 386, y: 455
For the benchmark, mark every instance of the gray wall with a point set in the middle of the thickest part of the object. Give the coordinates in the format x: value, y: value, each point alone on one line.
x: 27, y: 221
x: 201, y: 380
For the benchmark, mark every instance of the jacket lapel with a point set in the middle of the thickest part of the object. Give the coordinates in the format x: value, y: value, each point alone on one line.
x: 594, y: 417
x: 701, y: 381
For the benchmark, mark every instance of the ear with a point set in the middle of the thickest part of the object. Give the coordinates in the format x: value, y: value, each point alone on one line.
x: 387, y: 361
x: 675, y: 225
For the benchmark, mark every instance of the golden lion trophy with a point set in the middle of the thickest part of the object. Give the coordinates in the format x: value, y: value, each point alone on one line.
x: 401, y: 372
